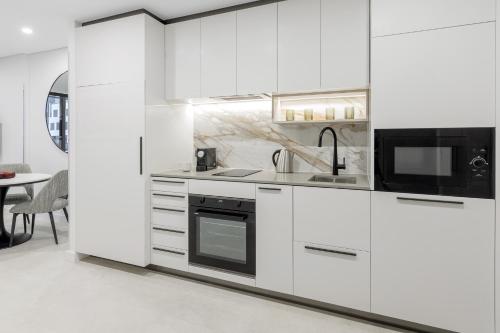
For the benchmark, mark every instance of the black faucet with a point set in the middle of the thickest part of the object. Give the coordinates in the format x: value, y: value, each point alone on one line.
x: 336, y: 165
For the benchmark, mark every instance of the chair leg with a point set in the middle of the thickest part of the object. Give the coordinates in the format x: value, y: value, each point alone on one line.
x: 53, y: 226
x: 24, y: 222
x: 28, y: 218
x: 12, y: 229
x: 66, y: 214
x: 32, y: 224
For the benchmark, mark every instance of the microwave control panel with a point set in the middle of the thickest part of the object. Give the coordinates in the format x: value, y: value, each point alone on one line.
x: 479, y: 164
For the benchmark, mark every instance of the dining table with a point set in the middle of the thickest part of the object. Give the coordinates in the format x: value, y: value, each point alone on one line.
x: 21, y: 179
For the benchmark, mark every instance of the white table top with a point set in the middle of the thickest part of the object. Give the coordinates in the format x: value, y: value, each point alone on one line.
x: 24, y: 178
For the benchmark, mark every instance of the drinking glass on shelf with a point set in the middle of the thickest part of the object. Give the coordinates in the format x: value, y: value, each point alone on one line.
x: 308, y: 114
x: 349, y: 112
x: 330, y: 113
x: 290, y: 115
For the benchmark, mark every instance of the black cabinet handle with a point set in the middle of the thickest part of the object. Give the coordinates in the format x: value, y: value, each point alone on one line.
x: 169, y: 251
x: 168, y: 181
x: 169, y: 230
x: 140, y: 155
x: 352, y: 254
x: 170, y: 210
x: 270, y: 189
x: 431, y: 200
x: 169, y: 195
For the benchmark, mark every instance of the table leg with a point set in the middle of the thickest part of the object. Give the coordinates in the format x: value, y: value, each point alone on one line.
x: 4, y: 235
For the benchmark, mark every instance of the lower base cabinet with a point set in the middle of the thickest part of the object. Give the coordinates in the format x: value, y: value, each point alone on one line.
x: 333, y: 275
x: 169, y: 257
x: 433, y: 260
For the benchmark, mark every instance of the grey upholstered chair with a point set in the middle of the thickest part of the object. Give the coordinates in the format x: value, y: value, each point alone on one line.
x: 14, y: 199
x: 51, y: 198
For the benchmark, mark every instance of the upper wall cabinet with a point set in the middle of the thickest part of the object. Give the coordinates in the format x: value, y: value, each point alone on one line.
x: 183, y: 60
x: 396, y: 16
x: 111, y: 52
x: 299, y: 45
x: 218, y: 55
x: 437, y: 78
x: 257, y: 49
x: 344, y: 43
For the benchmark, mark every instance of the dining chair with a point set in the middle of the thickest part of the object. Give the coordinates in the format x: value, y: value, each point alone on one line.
x: 52, y: 197
x: 16, y: 198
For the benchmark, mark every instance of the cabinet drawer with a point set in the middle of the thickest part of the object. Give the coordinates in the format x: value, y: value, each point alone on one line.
x: 335, y: 217
x: 222, y: 189
x: 169, y: 185
x: 169, y: 237
x: 332, y: 275
x: 169, y: 257
x: 169, y: 199
x: 176, y: 218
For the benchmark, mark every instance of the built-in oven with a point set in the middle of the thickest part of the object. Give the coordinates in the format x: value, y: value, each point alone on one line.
x: 222, y: 233
x: 440, y: 161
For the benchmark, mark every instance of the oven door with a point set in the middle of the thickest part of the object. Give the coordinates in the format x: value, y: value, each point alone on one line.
x: 428, y: 164
x: 222, y: 239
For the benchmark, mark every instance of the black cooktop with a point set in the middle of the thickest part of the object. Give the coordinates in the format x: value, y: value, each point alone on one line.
x: 236, y: 173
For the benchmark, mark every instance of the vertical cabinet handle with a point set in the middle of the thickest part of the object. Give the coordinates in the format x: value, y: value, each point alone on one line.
x: 140, y: 155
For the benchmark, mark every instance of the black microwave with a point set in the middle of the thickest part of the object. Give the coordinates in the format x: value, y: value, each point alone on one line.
x: 439, y: 161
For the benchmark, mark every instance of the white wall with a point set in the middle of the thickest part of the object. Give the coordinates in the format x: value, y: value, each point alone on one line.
x: 13, y: 77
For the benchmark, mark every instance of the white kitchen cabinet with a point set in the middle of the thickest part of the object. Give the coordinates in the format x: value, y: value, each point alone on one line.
x: 183, y: 59
x: 110, y: 189
x: 111, y: 52
x: 345, y: 44
x: 257, y: 49
x: 438, y: 78
x: 163, y: 184
x: 218, y: 55
x: 274, y: 238
x: 222, y: 189
x: 169, y: 257
x: 332, y: 275
x: 116, y: 78
x: 395, y: 16
x: 433, y: 262
x: 299, y: 45
x: 336, y: 217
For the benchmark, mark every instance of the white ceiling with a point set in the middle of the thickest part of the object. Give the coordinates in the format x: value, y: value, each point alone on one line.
x: 53, y: 20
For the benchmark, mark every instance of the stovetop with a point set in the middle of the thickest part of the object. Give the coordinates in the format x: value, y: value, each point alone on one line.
x: 236, y: 173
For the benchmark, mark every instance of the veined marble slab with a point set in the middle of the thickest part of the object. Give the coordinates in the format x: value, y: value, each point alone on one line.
x: 245, y: 137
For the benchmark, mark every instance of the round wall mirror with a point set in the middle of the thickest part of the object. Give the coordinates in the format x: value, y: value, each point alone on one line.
x: 57, y: 112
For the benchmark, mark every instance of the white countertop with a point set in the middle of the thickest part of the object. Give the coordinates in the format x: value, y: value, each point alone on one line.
x: 270, y: 177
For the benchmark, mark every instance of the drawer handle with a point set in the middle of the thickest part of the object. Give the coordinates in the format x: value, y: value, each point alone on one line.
x: 169, y: 251
x: 270, y: 189
x: 352, y: 254
x: 169, y: 230
x: 170, y: 210
x: 169, y: 195
x: 169, y: 181
x: 431, y: 200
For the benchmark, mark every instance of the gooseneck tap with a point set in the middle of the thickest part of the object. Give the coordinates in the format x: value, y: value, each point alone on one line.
x: 335, y: 165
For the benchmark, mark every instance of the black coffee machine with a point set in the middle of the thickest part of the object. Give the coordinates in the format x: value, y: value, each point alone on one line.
x: 206, y: 159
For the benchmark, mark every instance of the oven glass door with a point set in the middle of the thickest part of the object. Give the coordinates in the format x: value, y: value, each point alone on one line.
x: 425, y: 162
x: 222, y: 239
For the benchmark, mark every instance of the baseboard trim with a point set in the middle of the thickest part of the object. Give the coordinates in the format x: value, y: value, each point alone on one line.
x: 75, y: 257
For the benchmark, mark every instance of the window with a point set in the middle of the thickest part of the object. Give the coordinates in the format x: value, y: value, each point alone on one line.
x: 57, y: 112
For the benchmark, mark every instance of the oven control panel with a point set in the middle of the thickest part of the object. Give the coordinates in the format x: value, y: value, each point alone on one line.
x: 479, y: 164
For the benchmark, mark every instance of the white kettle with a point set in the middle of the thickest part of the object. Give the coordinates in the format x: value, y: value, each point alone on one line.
x: 283, y: 160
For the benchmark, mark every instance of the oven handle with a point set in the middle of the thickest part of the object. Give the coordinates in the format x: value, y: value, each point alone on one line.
x: 218, y: 214
x: 431, y: 200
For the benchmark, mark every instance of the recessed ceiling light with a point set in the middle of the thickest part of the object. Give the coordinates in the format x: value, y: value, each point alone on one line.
x: 27, y: 30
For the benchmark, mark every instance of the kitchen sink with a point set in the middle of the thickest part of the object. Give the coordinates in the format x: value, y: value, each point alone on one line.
x: 333, y: 179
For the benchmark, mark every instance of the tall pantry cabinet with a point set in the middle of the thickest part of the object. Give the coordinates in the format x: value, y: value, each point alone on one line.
x: 118, y: 73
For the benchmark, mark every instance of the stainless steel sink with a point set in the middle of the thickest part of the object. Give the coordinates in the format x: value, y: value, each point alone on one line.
x: 333, y: 179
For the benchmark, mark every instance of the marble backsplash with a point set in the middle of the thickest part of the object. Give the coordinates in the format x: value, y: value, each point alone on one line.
x: 245, y: 137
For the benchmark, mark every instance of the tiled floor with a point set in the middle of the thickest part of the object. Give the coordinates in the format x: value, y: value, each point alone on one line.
x: 42, y: 291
